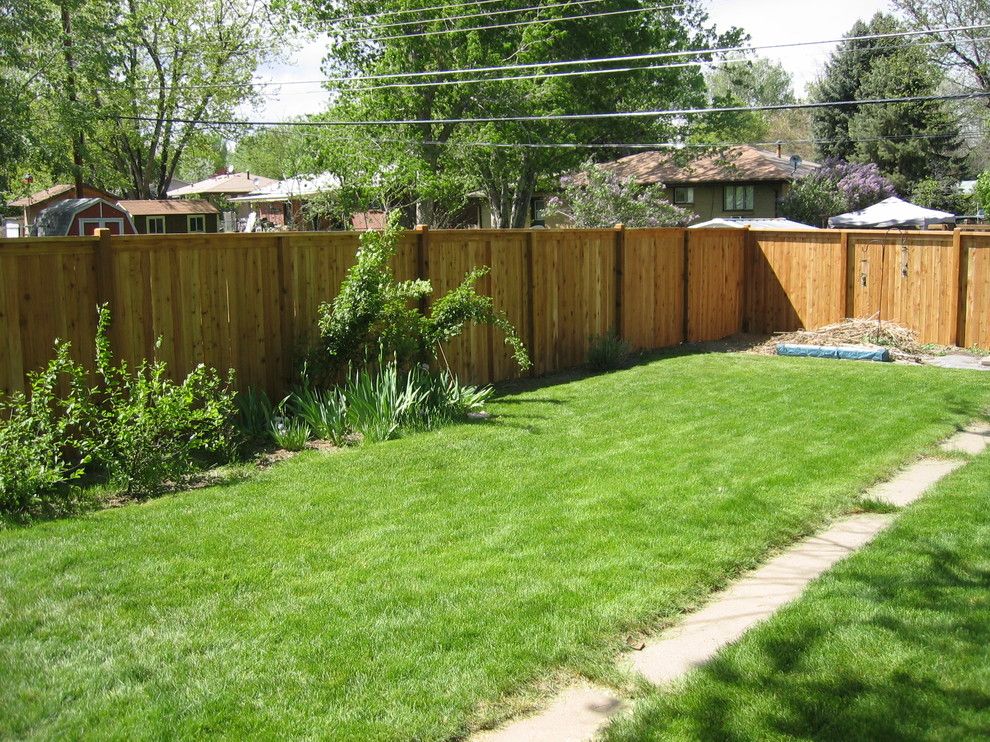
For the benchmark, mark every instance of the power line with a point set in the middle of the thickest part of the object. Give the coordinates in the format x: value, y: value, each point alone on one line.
x: 653, y: 55
x: 601, y: 60
x: 581, y: 73
x: 671, y: 112
x: 484, y: 14
x: 408, y: 11
x: 656, y: 145
x: 532, y: 22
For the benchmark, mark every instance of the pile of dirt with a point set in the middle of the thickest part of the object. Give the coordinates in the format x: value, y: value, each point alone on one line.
x: 900, y: 341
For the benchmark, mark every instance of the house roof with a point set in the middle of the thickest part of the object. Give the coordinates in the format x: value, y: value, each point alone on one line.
x: 742, y: 164
x: 164, y: 207
x: 224, y: 184
x: 300, y: 186
x: 53, y: 192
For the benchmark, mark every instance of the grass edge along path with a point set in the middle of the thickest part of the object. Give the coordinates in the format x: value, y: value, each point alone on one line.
x: 401, y: 590
x: 893, y: 643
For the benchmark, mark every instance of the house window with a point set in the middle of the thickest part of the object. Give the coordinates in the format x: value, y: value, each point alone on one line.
x: 738, y: 198
x: 684, y: 195
x: 539, y: 209
x: 156, y: 225
x: 197, y: 223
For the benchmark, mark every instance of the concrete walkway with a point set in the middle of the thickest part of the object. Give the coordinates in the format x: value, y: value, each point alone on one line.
x: 579, y: 713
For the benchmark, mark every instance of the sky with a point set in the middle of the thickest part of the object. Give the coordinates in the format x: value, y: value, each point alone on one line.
x: 766, y: 21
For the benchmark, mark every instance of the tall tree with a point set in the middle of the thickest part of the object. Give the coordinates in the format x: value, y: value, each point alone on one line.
x: 438, y: 158
x: 909, y: 141
x: 965, y: 54
x: 135, y: 78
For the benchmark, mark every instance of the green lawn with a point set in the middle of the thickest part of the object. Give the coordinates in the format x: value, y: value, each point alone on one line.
x: 398, y: 590
x: 892, y: 644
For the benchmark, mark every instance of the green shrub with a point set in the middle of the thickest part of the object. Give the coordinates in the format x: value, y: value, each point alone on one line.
x: 374, y: 315
x: 608, y: 352
x: 255, y: 413
x: 45, y: 441
x: 289, y: 433
x: 325, y: 412
x: 378, y: 402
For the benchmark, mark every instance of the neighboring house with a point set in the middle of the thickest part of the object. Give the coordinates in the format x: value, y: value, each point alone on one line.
x: 32, y: 205
x: 281, y: 202
x: 176, y: 216
x: 478, y: 213
x: 82, y: 216
x: 224, y: 187
x: 737, y: 182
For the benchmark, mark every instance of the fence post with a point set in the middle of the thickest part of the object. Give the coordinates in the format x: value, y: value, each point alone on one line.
x: 958, y: 307
x: 847, y: 278
x: 686, y: 324
x: 531, y: 308
x: 422, y: 259
x: 620, y: 259
x: 749, y: 248
x: 104, y: 267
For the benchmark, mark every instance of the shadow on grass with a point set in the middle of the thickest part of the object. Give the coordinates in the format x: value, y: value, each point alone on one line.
x: 872, y: 656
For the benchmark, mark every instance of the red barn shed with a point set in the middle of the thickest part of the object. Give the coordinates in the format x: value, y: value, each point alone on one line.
x: 82, y: 216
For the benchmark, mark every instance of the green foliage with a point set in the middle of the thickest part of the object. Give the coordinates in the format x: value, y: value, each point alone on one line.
x: 289, y: 433
x: 933, y: 193
x: 812, y: 201
x: 608, y: 352
x: 507, y: 177
x: 45, y: 440
x: 375, y: 316
x: 908, y: 141
x: 596, y: 197
x: 982, y: 192
x: 154, y: 433
x: 378, y: 402
x: 143, y: 431
x: 325, y: 412
x: 255, y: 413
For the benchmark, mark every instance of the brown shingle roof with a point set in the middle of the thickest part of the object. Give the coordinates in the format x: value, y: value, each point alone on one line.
x: 151, y: 207
x: 57, y: 190
x: 733, y: 165
x: 227, y: 183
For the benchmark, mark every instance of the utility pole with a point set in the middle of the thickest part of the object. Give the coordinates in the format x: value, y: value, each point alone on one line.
x: 70, y: 83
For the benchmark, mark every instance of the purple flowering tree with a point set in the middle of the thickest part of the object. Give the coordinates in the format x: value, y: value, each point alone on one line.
x: 836, y: 187
x: 598, y: 198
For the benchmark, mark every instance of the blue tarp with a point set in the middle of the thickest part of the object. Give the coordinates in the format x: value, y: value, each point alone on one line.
x: 848, y: 353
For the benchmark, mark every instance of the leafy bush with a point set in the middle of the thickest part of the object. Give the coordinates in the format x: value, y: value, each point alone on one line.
x: 378, y: 402
x: 376, y: 316
x: 598, y: 198
x: 153, y: 432
x: 835, y: 188
x: 142, y: 430
x: 44, y: 442
x: 255, y: 413
x: 325, y: 412
x: 981, y: 194
x: 608, y: 352
x: 289, y: 433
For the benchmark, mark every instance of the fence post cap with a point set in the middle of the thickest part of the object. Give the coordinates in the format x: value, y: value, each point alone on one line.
x: 101, y: 232
x: 619, y: 227
x: 422, y: 228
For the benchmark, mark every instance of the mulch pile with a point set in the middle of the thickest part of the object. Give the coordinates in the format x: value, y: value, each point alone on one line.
x: 902, y: 342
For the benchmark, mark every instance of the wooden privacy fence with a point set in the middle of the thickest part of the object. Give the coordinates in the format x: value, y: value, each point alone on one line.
x: 249, y: 301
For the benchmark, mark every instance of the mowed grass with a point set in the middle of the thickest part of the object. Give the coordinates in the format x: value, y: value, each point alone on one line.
x: 400, y: 590
x: 892, y: 644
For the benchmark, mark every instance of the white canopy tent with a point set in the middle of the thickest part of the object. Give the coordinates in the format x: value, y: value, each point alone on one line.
x: 891, y: 212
